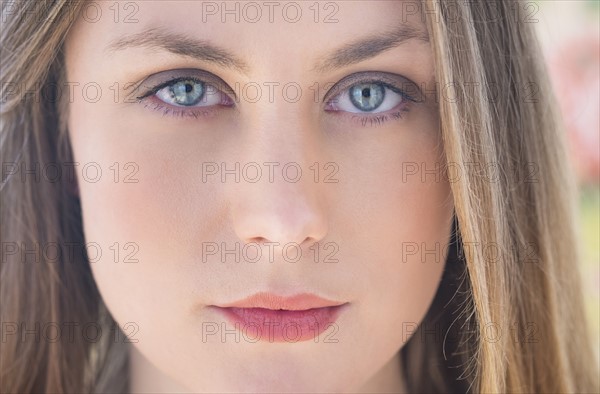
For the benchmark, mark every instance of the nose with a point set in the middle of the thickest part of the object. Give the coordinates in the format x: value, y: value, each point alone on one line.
x: 281, y: 214
x: 287, y: 204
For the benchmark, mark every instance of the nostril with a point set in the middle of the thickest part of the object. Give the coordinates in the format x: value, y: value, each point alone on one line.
x: 265, y: 241
x: 258, y: 240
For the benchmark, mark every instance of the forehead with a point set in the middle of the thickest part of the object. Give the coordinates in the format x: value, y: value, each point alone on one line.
x: 256, y: 31
x: 264, y: 18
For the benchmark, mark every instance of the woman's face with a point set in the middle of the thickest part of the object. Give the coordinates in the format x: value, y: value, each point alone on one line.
x: 229, y: 149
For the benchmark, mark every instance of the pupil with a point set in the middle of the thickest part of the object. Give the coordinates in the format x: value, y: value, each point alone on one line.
x: 367, y: 96
x: 188, y: 88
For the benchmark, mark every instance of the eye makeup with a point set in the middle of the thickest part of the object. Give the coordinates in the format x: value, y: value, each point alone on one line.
x: 367, y: 98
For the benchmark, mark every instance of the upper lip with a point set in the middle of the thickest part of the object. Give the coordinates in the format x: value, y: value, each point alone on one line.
x: 296, y: 302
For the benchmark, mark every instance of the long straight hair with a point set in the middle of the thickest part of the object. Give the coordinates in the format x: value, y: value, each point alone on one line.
x: 501, y: 115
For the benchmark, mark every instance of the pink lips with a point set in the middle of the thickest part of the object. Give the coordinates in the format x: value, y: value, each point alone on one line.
x: 268, y: 317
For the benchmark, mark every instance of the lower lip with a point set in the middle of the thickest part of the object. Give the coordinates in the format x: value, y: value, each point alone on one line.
x: 260, y: 324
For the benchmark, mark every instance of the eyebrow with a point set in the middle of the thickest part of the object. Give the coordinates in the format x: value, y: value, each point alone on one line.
x: 180, y: 44
x: 369, y: 47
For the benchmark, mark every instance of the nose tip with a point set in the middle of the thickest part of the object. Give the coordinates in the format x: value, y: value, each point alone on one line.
x: 296, y: 222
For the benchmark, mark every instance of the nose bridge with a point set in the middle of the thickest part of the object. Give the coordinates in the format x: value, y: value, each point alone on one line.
x: 277, y: 199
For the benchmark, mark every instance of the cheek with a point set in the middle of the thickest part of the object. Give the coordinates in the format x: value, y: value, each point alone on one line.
x: 144, y: 209
x: 402, y: 210
x: 406, y: 256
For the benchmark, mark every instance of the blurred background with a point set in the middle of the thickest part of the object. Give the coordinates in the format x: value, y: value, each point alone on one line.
x: 569, y: 32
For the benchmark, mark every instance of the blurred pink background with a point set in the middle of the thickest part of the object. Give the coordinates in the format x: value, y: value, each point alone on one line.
x: 570, y: 35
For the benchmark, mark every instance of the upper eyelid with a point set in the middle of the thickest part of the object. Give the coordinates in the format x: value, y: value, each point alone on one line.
x: 374, y: 77
x: 155, y: 89
x: 166, y: 78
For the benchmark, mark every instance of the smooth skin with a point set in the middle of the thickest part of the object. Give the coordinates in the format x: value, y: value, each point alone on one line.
x: 369, y: 222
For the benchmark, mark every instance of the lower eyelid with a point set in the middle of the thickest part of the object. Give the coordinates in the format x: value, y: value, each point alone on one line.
x: 371, y: 119
x: 154, y: 104
x: 403, y: 105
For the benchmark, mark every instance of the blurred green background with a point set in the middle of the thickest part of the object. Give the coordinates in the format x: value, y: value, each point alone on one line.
x: 589, y: 213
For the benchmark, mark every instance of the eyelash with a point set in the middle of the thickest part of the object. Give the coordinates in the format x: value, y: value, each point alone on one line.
x: 379, y: 118
x: 150, y: 101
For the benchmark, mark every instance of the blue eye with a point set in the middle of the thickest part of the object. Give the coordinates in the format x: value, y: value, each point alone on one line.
x: 188, y: 92
x: 372, y: 98
x: 367, y: 97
